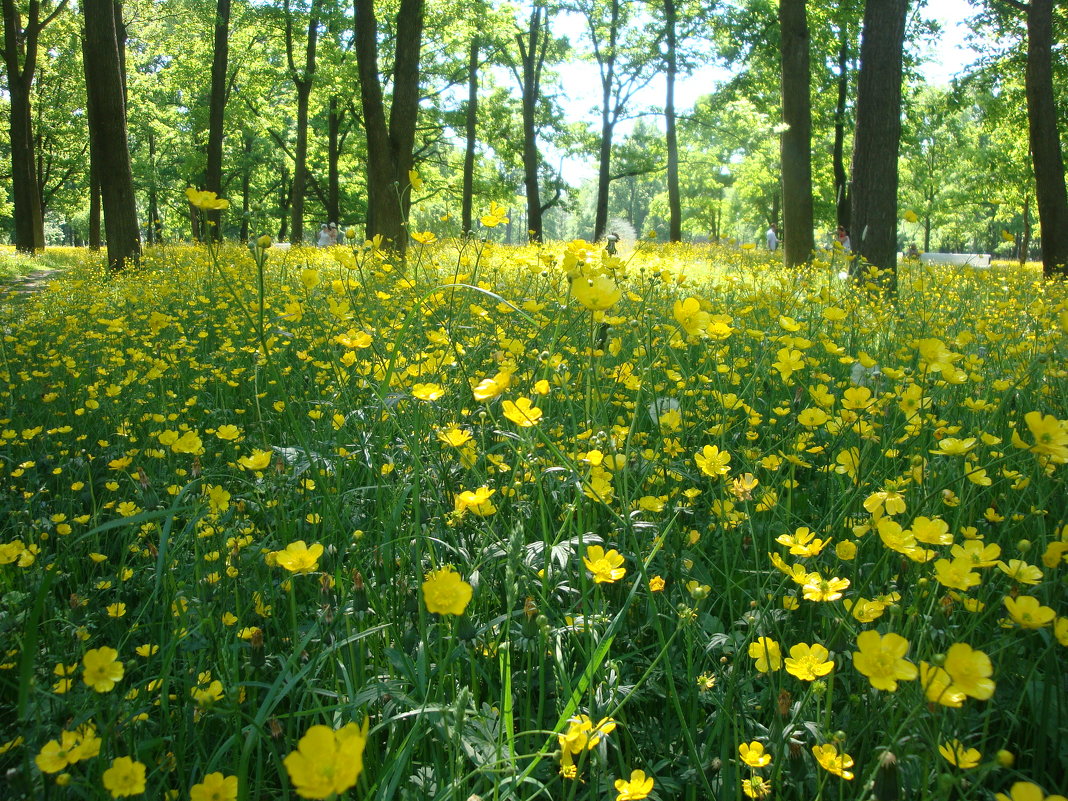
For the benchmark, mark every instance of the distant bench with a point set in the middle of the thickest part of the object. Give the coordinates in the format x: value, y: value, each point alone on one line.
x: 978, y: 260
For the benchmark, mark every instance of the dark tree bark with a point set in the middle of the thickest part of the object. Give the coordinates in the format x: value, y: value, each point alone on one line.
x: 533, y: 44
x: 878, y: 136
x: 20, y: 62
x: 671, y: 135
x: 1025, y: 240
x: 471, y: 119
x: 246, y: 182
x: 155, y: 224
x: 608, y: 118
x: 842, y: 201
x: 796, y: 143
x: 303, y: 80
x: 106, y: 112
x: 333, y: 154
x: 217, y: 113
x: 390, y: 145
x: 1051, y: 193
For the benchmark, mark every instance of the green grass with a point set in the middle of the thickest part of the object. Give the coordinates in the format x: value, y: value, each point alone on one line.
x: 127, y: 405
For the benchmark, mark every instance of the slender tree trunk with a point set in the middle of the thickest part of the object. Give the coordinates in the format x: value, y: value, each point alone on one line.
x: 94, y: 239
x: 466, y: 221
x: 285, y: 194
x: 878, y: 135
x: 1051, y: 192
x: 333, y: 154
x: 390, y: 145
x: 796, y: 143
x: 300, y: 164
x: 20, y: 62
x: 604, y: 157
x: 217, y: 113
x: 671, y: 135
x: 841, y: 184
x: 303, y: 81
x: 532, y: 44
x: 107, y: 130
x: 246, y: 183
x: 1025, y: 240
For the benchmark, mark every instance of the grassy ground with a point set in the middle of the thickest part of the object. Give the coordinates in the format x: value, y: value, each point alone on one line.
x: 539, y: 518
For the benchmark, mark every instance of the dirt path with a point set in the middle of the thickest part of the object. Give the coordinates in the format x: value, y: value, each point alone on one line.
x: 27, y: 284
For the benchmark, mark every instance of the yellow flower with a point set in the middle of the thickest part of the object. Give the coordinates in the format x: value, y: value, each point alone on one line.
x: 970, y: 671
x: 882, y: 659
x: 476, y: 501
x: 807, y: 662
x: 756, y: 787
x: 102, y: 669
x: 712, y: 461
x: 424, y: 237
x: 497, y: 214
x: 1050, y: 434
x: 938, y: 686
x: 656, y: 584
x: 124, y: 777
x: 427, y: 392
x: 754, y: 755
x: 767, y: 653
x: 1027, y: 791
x: 326, y: 761
x: 606, y: 566
x: 1026, y: 611
x: 636, y: 788
x: 71, y: 747
x: 818, y: 588
x: 257, y: 460
x: 689, y: 315
x: 445, y: 592
x: 833, y: 762
x: 206, y: 200
x: 581, y: 735
x: 522, y: 413
x: 956, y: 753
x: 415, y: 180
x: 298, y: 557
x: 596, y: 293
x: 1020, y: 571
x: 454, y: 437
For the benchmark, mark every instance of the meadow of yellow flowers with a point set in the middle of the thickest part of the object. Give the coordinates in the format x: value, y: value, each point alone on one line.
x: 536, y: 522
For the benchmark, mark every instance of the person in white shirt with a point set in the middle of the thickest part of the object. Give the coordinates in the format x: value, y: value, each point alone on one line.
x: 773, y: 237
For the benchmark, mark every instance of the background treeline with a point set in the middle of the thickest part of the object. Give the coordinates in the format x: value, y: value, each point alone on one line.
x: 486, y: 118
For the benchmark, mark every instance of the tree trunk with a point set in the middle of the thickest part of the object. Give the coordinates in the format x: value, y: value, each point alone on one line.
x: 303, y: 81
x: 842, y: 200
x: 1051, y: 193
x: 285, y: 193
x: 20, y: 62
x: 466, y: 219
x: 95, y: 239
x: 671, y: 136
x: 333, y: 154
x: 217, y: 114
x: 106, y: 111
x: 1025, y: 240
x: 155, y: 225
x: 878, y: 135
x: 532, y: 47
x: 389, y: 145
x: 604, y: 158
x: 796, y: 143
x: 246, y: 183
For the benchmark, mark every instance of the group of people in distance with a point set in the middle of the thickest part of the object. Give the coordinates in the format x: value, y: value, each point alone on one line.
x: 327, y: 235
x: 841, y: 236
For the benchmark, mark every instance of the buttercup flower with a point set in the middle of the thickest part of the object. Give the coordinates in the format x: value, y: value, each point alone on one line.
x: 637, y: 787
x: 445, y: 593
x: 808, y: 662
x: 970, y: 671
x: 521, y: 412
x: 298, y: 557
x: 956, y: 753
x: 754, y: 755
x: 102, y: 669
x: 833, y: 762
x: 606, y: 566
x: 327, y: 761
x: 215, y: 787
x: 767, y: 654
x: 882, y: 659
x: 124, y: 777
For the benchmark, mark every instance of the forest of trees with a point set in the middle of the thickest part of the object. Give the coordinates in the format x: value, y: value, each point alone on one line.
x: 304, y: 111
